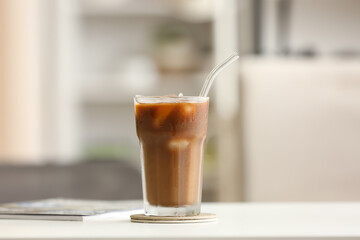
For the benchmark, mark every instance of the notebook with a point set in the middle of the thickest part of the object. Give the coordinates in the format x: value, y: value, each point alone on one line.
x: 71, y: 210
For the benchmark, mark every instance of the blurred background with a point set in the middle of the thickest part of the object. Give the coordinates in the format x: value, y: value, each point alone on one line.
x: 284, y: 121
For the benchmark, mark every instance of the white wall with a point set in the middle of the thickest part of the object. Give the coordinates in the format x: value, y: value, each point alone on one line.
x: 324, y: 26
x: 327, y: 25
x: 301, y: 129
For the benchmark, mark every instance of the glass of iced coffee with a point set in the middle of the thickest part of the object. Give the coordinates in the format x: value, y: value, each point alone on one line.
x: 171, y: 131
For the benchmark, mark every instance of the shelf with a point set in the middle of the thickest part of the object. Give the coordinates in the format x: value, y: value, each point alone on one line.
x: 115, y: 90
x: 127, y: 11
x: 142, y: 9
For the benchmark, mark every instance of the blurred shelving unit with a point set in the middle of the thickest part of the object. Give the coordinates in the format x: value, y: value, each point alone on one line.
x: 106, y: 52
x: 125, y: 52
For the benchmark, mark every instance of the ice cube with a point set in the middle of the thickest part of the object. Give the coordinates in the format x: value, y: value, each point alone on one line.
x: 178, y: 144
x: 188, y: 109
x: 161, y: 114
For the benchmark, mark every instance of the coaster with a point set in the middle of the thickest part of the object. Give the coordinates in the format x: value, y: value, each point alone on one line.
x: 201, y: 218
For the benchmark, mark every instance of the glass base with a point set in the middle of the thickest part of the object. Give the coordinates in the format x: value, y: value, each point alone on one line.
x: 187, y: 210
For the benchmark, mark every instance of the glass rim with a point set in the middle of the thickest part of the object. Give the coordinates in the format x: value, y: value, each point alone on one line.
x: 169, y: 99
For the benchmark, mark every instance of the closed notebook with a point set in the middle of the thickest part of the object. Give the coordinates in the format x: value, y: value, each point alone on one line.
x: 70, y: 210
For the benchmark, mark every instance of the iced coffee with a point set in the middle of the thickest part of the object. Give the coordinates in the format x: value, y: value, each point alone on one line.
x: 172, y: 132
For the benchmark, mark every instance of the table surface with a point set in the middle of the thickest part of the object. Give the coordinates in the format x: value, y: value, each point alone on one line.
x: 235, y: 221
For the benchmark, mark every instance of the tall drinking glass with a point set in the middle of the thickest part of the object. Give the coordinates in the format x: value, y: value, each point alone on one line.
x: 171, y: 132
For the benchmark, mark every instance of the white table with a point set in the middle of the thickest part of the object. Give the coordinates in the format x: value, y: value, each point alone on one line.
x: 235, y: 221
